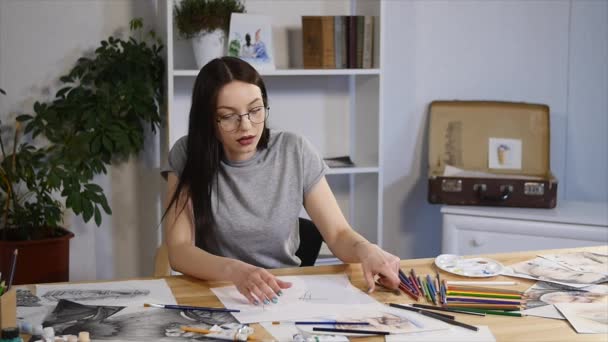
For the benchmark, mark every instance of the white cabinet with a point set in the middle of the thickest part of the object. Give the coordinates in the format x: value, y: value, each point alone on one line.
x: 481, y: 230
x: 339, y: 110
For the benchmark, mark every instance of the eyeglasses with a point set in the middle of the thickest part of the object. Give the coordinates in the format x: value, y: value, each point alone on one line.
x: 231, y: 122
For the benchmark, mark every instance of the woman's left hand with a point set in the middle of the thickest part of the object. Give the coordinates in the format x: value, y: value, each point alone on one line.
x: 375, y: 261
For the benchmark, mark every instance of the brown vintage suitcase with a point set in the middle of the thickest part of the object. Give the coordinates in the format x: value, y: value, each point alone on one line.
x: 490, y: 153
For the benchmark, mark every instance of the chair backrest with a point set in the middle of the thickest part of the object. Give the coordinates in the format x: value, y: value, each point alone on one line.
x: 310, y: 243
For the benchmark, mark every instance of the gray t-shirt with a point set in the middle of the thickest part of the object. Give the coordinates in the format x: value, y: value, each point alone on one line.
x: 256, y: 203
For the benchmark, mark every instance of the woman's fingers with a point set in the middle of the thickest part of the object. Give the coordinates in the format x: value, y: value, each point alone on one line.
x: 369, y: 279
x: 283, y: 284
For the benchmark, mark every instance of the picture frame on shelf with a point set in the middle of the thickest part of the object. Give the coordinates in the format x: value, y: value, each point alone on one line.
x: 250, y: 39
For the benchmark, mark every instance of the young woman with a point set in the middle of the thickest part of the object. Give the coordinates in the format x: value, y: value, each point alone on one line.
x: 236, y: 189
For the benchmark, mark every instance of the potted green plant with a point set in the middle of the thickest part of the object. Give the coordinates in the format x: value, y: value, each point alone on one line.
x: 96, y: 118
x: 206, y: 23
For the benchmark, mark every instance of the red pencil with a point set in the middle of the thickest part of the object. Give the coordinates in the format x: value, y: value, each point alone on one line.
x: 408, y: 291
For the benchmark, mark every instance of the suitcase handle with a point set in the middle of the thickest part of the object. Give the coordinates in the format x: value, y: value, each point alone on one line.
x: 505, y: 193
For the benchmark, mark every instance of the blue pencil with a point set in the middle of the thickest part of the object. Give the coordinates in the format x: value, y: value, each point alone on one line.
x: 187, y: 307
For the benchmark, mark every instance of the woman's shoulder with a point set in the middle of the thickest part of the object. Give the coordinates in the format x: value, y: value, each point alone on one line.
x: 285, y: 138
x: 180, y: 145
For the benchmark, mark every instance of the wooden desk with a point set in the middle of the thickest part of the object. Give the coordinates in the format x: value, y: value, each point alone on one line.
x: 191, y: 291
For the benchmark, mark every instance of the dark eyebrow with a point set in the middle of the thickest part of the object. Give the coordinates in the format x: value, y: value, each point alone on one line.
x: 249, y: 104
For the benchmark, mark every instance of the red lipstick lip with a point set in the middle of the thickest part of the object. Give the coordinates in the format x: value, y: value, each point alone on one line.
x: 246, y: 137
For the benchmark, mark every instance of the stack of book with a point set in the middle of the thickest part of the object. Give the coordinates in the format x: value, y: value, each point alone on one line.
x: 471, y: 297
x: 338, y: 42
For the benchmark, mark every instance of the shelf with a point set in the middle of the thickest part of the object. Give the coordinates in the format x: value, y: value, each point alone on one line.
x: 352, y: 170
x: 295, y: 72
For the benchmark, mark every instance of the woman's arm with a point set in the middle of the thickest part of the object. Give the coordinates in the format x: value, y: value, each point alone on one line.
x: 344, y: 242
x: 253, y: 282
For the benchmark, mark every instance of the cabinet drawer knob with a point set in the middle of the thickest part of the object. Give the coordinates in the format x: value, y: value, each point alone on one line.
x: 476, y: 242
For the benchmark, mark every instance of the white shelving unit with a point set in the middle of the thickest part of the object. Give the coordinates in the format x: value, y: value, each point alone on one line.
x: 338, y: 110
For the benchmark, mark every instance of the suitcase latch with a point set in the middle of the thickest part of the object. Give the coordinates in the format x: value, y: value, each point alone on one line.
x: 451, y: 185
x: 534, y: 189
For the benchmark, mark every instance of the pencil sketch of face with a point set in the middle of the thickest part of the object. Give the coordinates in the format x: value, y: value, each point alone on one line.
x: 582, y: 261
x: 553, y: 272
x: 572, y: 297
x: 26, y: 298
x: 385, y: 322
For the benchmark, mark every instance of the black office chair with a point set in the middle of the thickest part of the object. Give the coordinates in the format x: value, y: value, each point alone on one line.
x: 310, y: 243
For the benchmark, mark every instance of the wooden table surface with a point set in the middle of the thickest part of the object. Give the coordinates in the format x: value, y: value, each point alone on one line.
x: 188, y: 290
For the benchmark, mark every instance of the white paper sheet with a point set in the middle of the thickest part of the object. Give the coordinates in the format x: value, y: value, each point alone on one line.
x: 393, y: 320
x: 581, y: 261
x: 550, y: 271
x: 586, y: 318
x: 309, y: 296
x: 132, y: 294
x: 287, y: 331
x: 542, y: 296
x: 453, y: 334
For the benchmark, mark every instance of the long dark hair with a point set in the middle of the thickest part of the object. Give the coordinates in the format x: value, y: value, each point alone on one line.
x: 204, y: 150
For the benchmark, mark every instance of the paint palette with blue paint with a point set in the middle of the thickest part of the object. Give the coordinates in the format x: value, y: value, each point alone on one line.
x: 469, y: 267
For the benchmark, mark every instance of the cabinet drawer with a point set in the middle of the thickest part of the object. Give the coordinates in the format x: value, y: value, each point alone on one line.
x: 466, y: 235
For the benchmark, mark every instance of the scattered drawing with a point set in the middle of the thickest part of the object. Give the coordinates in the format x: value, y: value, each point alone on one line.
x: 586, y: 318
x: 104, y: 322
x: 551, y: 271
x: 581, y: 261
x: 95, y: 294
x: 27, y: 298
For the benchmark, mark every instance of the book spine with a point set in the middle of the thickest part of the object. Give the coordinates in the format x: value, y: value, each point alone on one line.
x: 328, y: 55
x: 338, y: 33
x: 352, y: 41
x: 368, y: 42
x: 359, y: 49
x: 312, y: 45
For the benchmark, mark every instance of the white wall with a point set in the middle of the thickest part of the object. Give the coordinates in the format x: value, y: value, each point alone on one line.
x: 552, y: 52
x: 39, y: 42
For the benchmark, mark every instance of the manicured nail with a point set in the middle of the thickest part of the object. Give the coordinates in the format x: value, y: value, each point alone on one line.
x: 275, y: 300
x: 280, y: 293
x: 255, y: 302
x: 266, y: 301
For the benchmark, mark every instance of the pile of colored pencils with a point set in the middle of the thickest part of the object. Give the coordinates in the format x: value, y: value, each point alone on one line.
x: 439, y: 292
x: 475, y: 297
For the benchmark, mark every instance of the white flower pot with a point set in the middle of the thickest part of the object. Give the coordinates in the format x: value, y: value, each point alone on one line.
x: 208, y: 46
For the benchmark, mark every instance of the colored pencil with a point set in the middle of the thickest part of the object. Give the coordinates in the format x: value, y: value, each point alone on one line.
x: 187, y: 307
x: 408, y: 291
x: 482, y: 283
x: 482, y: 301
x: 482, y: 295
x: 418, y: 310
x: 458, y: 306
x: 352, y: 331
x: 12, y: 270
x: 481, y: 289
x: 332, y: 323
x: 493, y: 312
x: 432, y: 291
x: 449, y: 321
x: 439, y: 308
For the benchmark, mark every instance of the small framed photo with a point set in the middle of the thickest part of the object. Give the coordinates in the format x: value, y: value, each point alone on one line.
x: 504, y: 154
x: 250, y: 39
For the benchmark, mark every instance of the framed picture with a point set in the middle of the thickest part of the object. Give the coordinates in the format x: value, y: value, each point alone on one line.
x: 250, y: 39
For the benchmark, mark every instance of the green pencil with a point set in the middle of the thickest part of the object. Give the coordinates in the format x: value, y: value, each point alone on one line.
x: 490, y: 312
x: 483, y: 295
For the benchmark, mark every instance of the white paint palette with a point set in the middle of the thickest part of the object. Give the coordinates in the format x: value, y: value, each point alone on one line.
x: 469, y: 267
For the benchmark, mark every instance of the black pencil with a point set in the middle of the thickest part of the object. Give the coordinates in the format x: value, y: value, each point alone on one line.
x: 439, y: 308
x: 352, y: 331
x: 409, y: 308
x: 449, y: 321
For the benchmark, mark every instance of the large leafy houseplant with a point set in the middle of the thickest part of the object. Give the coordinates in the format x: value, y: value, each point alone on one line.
x: 97, y: 117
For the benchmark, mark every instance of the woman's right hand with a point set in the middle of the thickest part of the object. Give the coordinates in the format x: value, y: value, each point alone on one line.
x: 257, y: 284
